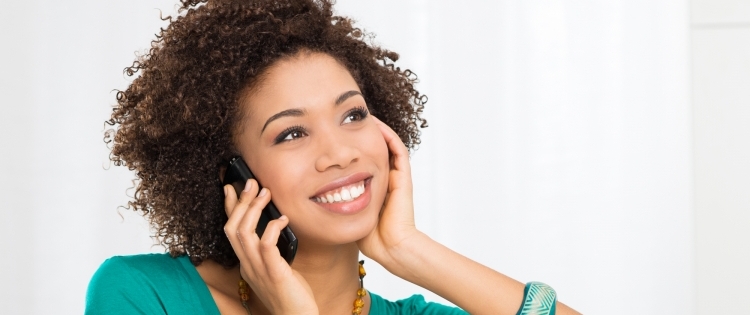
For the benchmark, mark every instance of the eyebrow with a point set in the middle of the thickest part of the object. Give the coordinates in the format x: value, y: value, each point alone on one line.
x: 293, y: 112
x: 296, y: 112
x: 345, y: 96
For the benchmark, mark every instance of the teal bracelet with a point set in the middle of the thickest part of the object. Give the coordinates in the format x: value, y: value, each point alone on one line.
x: 538, y: 299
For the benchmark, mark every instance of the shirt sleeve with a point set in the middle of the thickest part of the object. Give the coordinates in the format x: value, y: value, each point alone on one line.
x: 114, y: 289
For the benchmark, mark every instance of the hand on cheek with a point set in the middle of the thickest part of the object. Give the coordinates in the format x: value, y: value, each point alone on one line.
x: 397, y: 215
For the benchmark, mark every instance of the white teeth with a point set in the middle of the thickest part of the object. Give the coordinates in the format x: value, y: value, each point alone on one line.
x: 343, y: 194
x: 356, y: 192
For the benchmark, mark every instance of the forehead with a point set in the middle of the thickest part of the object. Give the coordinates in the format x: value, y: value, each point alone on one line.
x: 306, y: 80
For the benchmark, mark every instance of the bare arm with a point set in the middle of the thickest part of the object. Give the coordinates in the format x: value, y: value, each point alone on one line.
x: 475, y: 288
x: 410, y: 254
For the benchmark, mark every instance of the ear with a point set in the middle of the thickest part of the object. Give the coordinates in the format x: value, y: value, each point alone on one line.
x: 222, y: 171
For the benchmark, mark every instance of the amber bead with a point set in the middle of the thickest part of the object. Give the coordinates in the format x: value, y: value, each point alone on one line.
x: 244, y: 296
x: 359, y: 303
x: 362, y: 272
x: 357, y: 311
x: 361, y: 292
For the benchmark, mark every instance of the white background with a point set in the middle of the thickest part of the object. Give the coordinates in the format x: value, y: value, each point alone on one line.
x: 598, y: 146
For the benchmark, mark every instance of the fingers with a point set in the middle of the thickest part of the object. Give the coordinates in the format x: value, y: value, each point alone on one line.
x: 260, y: 254
x: 249, y: 222
x: 269, y: 253
x: 246, y: 195
x: 236, y: 209
x: 401, y: 178
x: 230, y: 199
x: 397, y: 148
x: 243, y: 217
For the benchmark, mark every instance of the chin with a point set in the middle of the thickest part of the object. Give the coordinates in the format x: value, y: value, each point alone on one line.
x: 331, y: 228
x: 338, y: 230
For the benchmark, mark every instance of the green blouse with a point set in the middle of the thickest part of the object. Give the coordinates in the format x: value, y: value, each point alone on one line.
x: 160, y: 284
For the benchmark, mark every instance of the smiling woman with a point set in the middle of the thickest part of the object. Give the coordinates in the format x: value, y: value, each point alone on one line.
x: 318, y: 130
x: 325, y: 121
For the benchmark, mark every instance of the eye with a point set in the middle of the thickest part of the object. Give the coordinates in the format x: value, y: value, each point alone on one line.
x: 289, y: 134
x: 355, y: 114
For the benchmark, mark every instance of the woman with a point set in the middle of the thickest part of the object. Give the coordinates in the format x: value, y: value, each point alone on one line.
x: 325, y: 121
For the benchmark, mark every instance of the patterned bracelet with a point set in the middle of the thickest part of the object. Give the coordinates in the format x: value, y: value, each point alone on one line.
x: 538, y: 299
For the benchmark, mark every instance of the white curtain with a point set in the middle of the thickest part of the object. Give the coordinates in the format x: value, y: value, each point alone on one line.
x: 558, y: 148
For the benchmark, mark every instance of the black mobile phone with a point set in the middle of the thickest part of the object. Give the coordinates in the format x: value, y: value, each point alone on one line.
x: 237, y: 175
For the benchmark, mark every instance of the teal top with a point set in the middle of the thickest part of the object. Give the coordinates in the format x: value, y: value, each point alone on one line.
x: 160, y: 284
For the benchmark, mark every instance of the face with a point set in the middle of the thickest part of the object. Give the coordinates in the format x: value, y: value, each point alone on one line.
x: 308, y: 137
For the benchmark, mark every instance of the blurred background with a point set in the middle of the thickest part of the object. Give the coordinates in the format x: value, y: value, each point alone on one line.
x: 602, y: 147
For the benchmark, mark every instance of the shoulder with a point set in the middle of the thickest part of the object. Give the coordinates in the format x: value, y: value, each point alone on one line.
x: 140, y: 266
x: 143, y: 284
x: 136, y: 271
x: 412, y: 305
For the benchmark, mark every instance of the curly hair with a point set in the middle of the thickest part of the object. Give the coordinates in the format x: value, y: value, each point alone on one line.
x: 175, y: 122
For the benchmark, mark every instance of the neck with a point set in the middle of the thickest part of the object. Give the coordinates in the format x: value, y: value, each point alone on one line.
x: 331, y: 272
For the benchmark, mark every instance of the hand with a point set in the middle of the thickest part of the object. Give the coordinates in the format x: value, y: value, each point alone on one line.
x: 396, y: 224
x: 281, y: 289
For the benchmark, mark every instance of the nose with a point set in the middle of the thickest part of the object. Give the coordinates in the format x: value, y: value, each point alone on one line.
x: 336, y: 151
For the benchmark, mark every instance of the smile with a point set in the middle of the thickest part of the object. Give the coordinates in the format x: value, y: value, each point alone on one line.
x: 342, y: 194
x: 348, y: 195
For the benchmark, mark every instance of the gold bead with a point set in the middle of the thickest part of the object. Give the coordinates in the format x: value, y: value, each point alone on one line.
x: 359, y: 303
x: 361, y: 292
x: 243, y: 284
x: 362, y: 272
x: 357, y: 311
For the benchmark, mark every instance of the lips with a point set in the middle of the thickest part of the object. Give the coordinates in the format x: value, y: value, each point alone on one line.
x: 342, y: 194
x: 342, y: 182
x: 347, y: 195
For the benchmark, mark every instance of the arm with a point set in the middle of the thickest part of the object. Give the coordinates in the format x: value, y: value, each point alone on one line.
x: 475, y: 288
x: 410, y: 254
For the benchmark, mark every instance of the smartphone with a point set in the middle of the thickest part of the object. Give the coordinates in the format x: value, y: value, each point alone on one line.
x: 237, y: 175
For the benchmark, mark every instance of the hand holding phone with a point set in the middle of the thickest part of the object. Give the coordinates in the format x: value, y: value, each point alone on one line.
x: 264, y: 249
x: 237, y: 174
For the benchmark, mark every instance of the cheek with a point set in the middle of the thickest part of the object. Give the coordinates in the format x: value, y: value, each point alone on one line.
x: 376, y: 147
x: 281, y: 176
x: 377, y: 151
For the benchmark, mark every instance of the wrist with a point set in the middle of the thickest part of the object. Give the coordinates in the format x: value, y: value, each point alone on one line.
x: 407, y: 258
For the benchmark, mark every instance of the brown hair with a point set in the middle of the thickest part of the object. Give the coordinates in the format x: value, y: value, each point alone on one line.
x: 173, y: 125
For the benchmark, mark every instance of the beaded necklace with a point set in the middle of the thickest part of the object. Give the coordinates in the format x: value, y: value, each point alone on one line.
x: 359, y: 303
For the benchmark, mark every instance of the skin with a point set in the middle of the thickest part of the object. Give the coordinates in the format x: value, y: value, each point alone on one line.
x: 323, y: 278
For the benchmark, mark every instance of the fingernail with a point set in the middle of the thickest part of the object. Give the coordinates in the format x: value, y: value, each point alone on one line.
x: 263, y: 192
x: 283, y: 217
x: 248, y: 185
